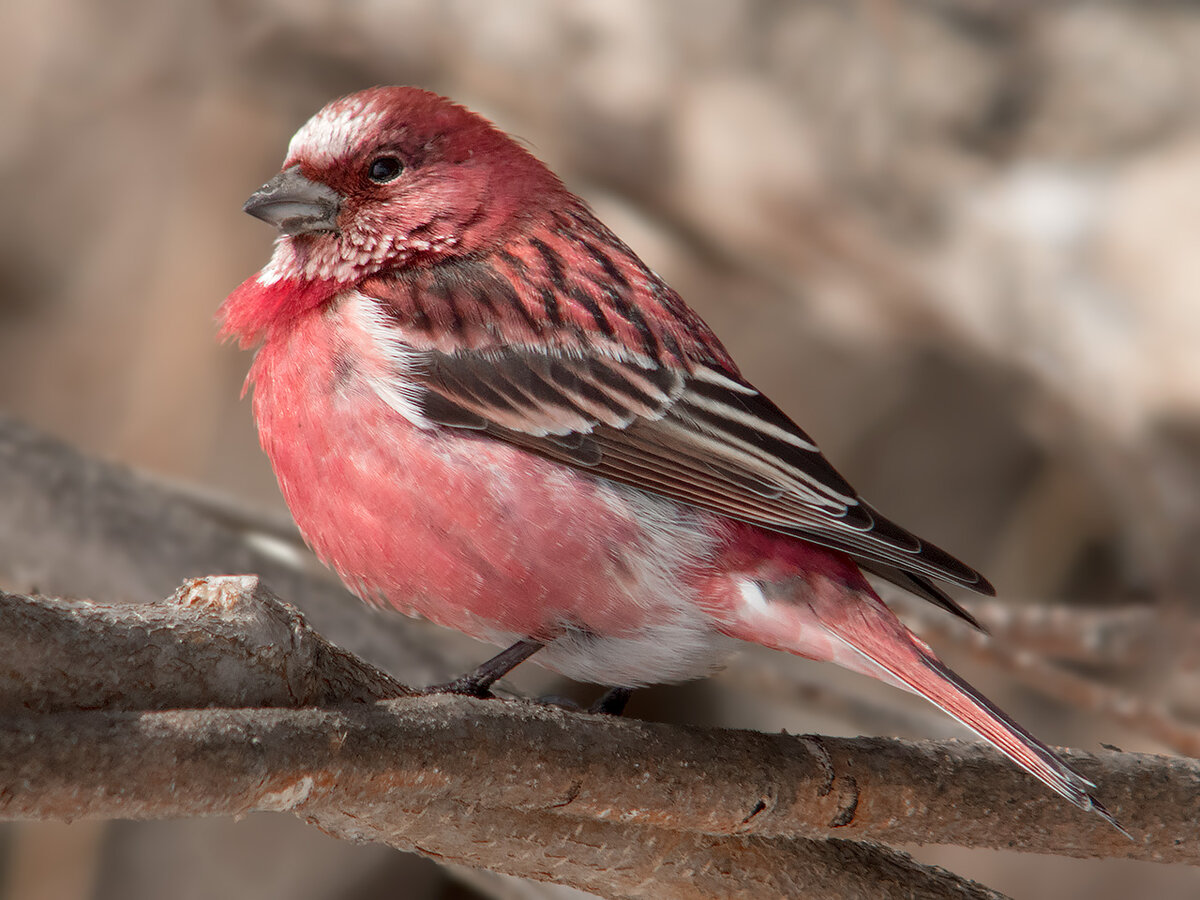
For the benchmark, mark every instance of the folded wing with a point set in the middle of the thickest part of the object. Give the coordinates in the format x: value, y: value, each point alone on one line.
x: 701, y: 437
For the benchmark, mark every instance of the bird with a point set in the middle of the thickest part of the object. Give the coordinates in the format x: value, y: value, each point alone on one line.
x: 484, y: 409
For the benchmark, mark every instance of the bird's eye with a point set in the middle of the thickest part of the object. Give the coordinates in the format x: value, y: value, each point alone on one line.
x: 384, y: 169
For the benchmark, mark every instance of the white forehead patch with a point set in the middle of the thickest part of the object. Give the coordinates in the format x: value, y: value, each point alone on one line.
x: 334, y: 131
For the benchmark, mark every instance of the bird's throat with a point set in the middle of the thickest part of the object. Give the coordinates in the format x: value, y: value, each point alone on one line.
x: 258, y: 306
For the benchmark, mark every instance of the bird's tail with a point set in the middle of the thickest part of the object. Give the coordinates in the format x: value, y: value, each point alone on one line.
x: 854, y: 628
x: 923, y: 673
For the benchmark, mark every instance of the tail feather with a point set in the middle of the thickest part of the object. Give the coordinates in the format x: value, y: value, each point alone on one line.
x: 907, y: 661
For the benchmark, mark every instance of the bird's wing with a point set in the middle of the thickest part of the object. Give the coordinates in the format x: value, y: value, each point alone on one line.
x: 599, y: 365
x: 700, y: 437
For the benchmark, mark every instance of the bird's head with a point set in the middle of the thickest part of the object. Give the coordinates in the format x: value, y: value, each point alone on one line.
x: 386, y: 178
x: 394, y: 174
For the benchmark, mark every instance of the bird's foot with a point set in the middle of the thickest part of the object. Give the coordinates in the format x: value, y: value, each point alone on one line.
x: 612, y: 702
x: 479, y: 682
x: 466, y: 686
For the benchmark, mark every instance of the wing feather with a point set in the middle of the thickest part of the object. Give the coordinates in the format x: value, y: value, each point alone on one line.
x: 672, y: 416
x: 700, y: 437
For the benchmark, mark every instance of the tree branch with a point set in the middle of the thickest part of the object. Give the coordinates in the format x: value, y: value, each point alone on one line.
x: 329, y: 755
x: 222, y: 649
x: 216, y: 642
x: 390, y: 758
x: 75, y: 526
x: 338, y: 770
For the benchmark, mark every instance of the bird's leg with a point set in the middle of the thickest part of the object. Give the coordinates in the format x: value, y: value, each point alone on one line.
x: 612, y: 702
x: 478, y: 682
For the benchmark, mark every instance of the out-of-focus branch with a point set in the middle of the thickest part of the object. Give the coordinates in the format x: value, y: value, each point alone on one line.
x: 1014, y: 631
x: 1150, y: 718
x: 1108, y: 637
x: 382, y: 760
x: 1015, y: 646
x: 75, y: 526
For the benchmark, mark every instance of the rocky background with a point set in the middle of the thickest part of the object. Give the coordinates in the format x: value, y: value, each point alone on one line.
x: 959, y: 241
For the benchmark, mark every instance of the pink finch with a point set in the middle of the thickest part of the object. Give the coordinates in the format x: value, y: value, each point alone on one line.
x: 484, y: 409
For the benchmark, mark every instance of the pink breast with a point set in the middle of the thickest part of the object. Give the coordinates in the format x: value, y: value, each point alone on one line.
x: 464, y: 530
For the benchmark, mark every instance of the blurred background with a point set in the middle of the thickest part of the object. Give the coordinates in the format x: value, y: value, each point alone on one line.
x: 957, y: 240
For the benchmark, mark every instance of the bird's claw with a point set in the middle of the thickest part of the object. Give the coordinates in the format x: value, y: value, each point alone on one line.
x: 464, y: 687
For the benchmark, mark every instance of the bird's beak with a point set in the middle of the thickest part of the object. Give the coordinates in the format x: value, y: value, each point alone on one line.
x: 296, y: 205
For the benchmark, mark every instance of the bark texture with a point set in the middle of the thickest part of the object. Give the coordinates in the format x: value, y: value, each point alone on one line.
x: 222, y: 700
